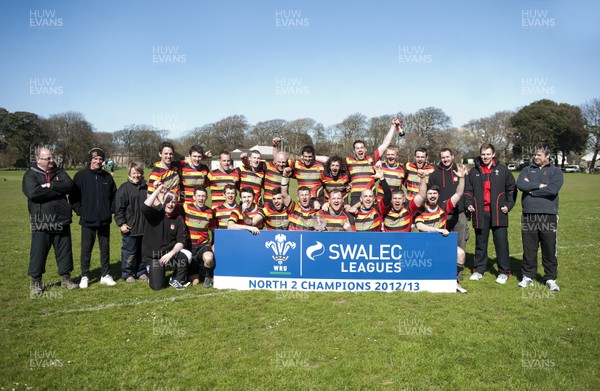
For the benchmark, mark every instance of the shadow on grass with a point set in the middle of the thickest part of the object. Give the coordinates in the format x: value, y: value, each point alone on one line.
x: 491, y: 267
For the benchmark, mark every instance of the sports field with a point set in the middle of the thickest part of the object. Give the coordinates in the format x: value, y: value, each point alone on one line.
x: 129, y: 337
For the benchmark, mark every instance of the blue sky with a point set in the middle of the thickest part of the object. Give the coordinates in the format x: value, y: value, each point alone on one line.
x: 182, y: 64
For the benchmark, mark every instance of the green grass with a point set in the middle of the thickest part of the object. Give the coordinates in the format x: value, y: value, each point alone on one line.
x: 125, y: 337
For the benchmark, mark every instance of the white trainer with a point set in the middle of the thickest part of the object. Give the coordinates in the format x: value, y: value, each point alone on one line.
x: 525, y: 282
x: 502, y: 278
x: 476, y: 276
x: 552, y: 285
x: 107, y: 280
x: 83, y: 283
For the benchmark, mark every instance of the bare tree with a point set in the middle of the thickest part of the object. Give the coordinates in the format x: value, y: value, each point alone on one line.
x: 495, y: 129
x: 73, y: 135
x: 350, y: 129
x: 591, y: 112
x: 263, y: 132
x: 125, y: 141
x: 297, y: 134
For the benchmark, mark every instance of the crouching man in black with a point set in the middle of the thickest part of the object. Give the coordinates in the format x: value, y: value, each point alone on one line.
x: 164, y: 240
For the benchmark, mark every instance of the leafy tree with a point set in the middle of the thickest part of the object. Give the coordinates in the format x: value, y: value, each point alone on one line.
x: 561, y: 126
x: 572, y: 135
x: 23, y: 131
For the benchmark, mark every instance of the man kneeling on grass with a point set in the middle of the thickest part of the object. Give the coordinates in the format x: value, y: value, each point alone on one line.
x: 433, y: 216
x: 164, y: 239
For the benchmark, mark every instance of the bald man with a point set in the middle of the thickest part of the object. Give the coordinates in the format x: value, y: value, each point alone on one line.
x: 46, y: 188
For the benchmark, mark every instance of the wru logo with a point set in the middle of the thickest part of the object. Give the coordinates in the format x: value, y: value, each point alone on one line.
x: 280, y: 247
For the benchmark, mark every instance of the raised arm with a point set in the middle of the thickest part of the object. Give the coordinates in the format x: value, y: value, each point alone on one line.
x: 395, y: 127
x: 285, y: 185
x: 152, y: 197
x: 420, y: 198
x: 460, y: 172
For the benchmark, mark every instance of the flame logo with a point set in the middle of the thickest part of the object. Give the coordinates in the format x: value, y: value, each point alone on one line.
x: 315, y: 250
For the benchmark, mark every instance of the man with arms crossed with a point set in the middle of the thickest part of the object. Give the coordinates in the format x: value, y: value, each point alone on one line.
x: 540, y: 184
x: 46, y: 188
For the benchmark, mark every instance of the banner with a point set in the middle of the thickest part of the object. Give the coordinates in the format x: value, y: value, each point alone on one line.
x: 335, y: 261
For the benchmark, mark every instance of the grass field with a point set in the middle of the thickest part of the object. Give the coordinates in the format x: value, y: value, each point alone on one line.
x: 129, y: 337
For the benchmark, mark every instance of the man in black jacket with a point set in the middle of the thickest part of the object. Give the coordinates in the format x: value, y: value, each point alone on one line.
x: 540, y: 184
x: 128, y: 216
x: 93, y: 200
x: 489, y: 196
x: 46, y: 188
x: 444, y: 178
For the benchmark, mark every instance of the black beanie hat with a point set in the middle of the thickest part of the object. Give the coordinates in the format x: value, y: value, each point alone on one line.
x: 96, y: 152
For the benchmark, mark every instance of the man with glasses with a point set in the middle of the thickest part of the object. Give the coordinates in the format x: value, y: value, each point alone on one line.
x: 46, y: 187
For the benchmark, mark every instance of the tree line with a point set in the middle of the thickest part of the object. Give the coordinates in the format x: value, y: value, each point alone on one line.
x: 567, y: 128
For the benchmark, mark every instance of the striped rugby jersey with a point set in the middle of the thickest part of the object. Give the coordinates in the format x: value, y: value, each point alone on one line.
x: 369, y: 220
x: 217, y: 180
x: 168, y: 176
x: 252, y: 179
x: 223, y: 214
x: 330, y: 184
x: 399, y: 220
x: 435, y: 218
x: 200, y: 221
x: 335, y: 221
x: 308, y: 176
x: 301, y: 219
x: 192, y: 177
x: 273, y: 218
x: 412, y: 180
x: 361, y: 172
x: 394, y: 176
x: 238, y: 217
x: 272, y: 180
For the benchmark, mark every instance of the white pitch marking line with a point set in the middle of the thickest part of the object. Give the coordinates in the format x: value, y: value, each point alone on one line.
x: 137, y: 302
